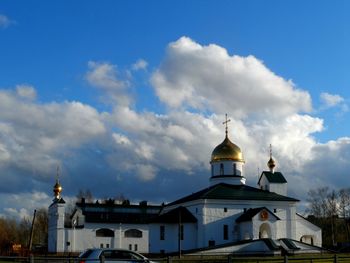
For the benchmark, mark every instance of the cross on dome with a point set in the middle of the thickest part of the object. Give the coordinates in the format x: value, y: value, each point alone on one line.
x: 225, y: 123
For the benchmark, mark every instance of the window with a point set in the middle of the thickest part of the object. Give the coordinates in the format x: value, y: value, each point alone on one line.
x: 104, y: 232
x: 225, y: 232
x: 221, y: 169
x: 212, y: 170
x: 162, y: 233
x: 133, y: 233
x: 101, y: 245
x: 107, y: 245
x: 234, y: 169
x: 135, y: 247
x: 130, y: 246
x: 211, y: 243
x: 275, y: 210
x: 225, y: 209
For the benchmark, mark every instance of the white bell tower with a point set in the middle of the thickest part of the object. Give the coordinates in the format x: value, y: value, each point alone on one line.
x: 56, y: 237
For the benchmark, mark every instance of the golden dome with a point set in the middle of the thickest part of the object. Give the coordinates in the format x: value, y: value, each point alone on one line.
x: 271, y: 163
x: 227, y: 151
x: 57, y: 189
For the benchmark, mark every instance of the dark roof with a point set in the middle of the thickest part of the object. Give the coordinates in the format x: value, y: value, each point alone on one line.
x: 58, y: 201
x: 118, y: 213
x: 132, y: 218
x: 276, y: 177
x: 233, y: 192
x: 173, y: 216
x: 251, y: 212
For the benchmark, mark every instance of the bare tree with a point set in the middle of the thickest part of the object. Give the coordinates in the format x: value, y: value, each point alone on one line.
x: 317, y: 199
x: 86, y: 195
x: 344, y: 206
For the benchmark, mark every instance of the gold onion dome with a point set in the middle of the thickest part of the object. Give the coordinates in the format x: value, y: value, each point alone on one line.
x: 227, y: 151
x: 57, y: 189
x: 271, y: 163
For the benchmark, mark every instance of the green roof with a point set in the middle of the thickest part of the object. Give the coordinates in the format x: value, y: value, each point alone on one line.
x: 275, y: 177
x: 233, y: 192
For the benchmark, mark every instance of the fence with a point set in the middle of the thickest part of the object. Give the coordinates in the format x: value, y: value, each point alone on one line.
x: 327, y: 258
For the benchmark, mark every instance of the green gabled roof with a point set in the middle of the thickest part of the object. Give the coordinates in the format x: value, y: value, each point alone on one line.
x: 233, y: 192
x: 276, y: 177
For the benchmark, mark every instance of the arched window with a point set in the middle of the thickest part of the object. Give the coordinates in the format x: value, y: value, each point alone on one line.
x: 104, y: 232
x: 234, y: 169
x: 133, y: 233
x: 221, y: 169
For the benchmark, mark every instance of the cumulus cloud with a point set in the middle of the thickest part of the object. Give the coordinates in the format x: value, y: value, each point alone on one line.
x: 33, y: 135
x: 23, y: 204
x: 105, y: 76
x: 115, y: 152
x: 205, y: 77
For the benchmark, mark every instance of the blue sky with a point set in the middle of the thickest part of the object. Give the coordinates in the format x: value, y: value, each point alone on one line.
x: 111, y: 91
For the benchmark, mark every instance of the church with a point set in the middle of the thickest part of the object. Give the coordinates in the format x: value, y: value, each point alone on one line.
x: 226, y: 217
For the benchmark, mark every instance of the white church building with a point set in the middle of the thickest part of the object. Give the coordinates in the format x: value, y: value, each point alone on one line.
x: 226, y: 217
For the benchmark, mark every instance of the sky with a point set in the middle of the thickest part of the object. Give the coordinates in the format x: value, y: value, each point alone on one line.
x: 127, y: 98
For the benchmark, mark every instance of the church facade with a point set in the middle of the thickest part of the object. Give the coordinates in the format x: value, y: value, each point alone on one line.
x: 226, y: 216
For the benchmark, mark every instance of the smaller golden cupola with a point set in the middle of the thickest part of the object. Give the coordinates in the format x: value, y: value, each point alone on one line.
x: 271, y: 164
x: 57, y: 188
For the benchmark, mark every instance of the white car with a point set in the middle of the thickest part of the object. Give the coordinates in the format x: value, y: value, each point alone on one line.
x: 101, y: 255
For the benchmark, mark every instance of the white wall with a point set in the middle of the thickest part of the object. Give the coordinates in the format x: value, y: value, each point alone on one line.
x: 82, y: 238
x: 306, y: 228
x: 171, y: 240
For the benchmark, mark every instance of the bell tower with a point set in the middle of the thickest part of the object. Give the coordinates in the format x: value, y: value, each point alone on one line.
x: 56, y: 240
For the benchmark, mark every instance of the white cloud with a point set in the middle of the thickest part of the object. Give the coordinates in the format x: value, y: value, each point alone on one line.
x: 5, y: 21
x: 331, y: 100
x: 106, y: 77
x: 22, y: 205
x: 146, y: 172
x: 207, y: 77
x: 118, y: 151
x: 26, y: 91
x: 33, y: 134
x: 140, y: 64
x: 121, y: 139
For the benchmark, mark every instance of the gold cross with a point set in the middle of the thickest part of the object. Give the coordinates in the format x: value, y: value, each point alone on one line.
x: 225, y: 123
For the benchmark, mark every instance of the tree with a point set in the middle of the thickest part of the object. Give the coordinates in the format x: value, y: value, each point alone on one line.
x: 344, y: 205
x: 318, y: 202
x: 41, y: 227
x: 87, y: 195
x: 331, y: 211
